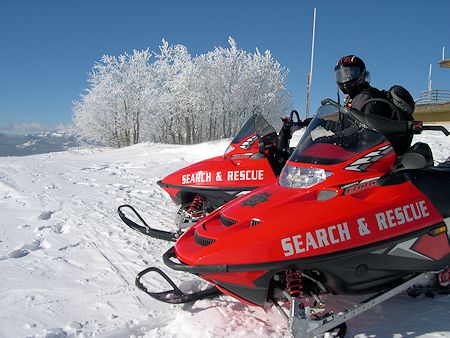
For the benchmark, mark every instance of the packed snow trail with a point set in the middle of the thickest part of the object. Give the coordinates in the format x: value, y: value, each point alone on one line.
x: 68, y: 263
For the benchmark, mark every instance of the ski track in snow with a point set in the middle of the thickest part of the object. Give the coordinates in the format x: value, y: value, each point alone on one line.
x: 68, y: 263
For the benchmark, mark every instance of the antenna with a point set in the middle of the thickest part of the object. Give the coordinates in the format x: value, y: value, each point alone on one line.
x: 308, y: 86
x: 444, y: 63
x: 429, y: 80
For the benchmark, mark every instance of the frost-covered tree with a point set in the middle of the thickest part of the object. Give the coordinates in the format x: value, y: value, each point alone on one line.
x: 236, y: 84
x: 179, y: 98
x: 118, y: 98
x: 210, y: 96
x: 175, y: 73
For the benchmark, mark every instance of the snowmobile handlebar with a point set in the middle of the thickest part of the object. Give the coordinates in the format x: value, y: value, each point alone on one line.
x: 395, y: 110
x: 290, y: 127
x: 386, y: 126
x: 437, y: 128
x: 288, y: 121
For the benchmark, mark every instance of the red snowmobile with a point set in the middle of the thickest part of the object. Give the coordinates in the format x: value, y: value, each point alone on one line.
x: 346, y: 216
x: 253, y: 159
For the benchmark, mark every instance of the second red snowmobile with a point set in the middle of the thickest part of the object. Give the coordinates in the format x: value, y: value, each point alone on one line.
x: 346, y: 216
x: 253, y: 159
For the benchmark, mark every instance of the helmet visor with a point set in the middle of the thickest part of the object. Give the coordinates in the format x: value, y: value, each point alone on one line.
x: 345, y: 74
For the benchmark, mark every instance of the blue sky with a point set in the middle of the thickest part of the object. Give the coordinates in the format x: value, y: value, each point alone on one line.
x: 48, y: 47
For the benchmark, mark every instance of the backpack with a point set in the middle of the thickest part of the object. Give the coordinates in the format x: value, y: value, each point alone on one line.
x: 402, y: 99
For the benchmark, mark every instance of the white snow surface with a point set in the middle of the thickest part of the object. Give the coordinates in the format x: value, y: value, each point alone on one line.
x: 68, y: 263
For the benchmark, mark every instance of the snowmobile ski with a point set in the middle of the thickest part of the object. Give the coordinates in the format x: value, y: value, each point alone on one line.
x: 174, y: 296
x: 145, y: 228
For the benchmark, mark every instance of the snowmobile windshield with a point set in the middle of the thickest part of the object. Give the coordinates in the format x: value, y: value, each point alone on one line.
x: 333, y: 137
x: 258, y: 125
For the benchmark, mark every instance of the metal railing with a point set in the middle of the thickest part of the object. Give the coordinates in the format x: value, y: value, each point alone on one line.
x: 433, y: 96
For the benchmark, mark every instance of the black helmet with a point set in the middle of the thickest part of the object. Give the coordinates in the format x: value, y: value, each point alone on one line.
x: 351, y: 75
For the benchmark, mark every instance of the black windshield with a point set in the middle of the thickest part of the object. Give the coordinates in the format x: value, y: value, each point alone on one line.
x: 333, y: 137
x: 256, y: 124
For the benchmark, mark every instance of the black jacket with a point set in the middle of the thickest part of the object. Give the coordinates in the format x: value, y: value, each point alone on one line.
x: 401, y: 143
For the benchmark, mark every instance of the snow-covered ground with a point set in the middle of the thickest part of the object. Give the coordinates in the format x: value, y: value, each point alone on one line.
x: 67, y: 262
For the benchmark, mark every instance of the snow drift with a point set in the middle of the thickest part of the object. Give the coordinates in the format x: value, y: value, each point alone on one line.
x: 68, y: 263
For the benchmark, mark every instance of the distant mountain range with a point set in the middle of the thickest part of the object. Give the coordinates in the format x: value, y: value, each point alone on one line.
x: 22, y: 145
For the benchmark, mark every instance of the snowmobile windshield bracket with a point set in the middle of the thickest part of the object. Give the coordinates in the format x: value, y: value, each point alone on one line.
x: 329, y: 101
x: 261, y: 146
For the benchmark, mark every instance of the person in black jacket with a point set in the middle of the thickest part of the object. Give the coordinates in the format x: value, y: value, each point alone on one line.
x: 353, y: 80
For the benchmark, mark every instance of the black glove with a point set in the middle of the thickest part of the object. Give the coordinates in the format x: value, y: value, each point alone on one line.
x: 305, y: 122
x: 287, y: 122
x: 415, y: 126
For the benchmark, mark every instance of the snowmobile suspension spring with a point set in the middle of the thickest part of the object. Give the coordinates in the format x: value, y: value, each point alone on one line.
x: 294, y: 283
x: 196, y: 203
x: 443, y: 278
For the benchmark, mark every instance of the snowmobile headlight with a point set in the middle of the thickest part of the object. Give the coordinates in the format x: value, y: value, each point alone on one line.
x: 300, y: 177
x: 230, y: 148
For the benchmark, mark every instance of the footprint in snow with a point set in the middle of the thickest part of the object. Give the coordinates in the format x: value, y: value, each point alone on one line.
x: 46, y: 215
x: 53, y: 333
x: 121, y: 187
x: 18, y: 253
x: 24, y: 250
x: 74, y: 327
x: 92, y: 185
x: 56, y: 228
x: 68, y: 247
x: 53, y: 186
x: 95, y: 168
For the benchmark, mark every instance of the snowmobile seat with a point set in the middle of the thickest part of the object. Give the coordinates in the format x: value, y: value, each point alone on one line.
x: 418, y: 156
x: 434, y: 182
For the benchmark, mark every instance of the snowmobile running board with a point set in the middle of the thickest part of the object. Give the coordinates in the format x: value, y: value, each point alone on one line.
x: 302, y: 324
x: 145, y: 228
x: 174, y: 296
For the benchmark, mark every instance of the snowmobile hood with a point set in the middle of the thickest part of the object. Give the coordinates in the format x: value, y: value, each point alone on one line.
x: 275, y: 224
x: 222, y: 171
x: 244, y: 163
x: 193, y: 174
